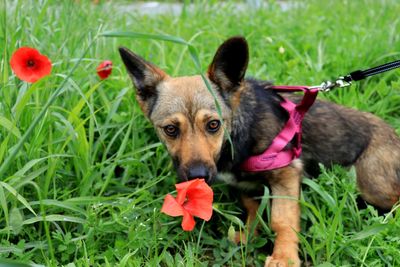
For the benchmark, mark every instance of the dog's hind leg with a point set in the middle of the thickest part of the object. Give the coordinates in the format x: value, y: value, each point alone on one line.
x: 285, y: 215
x: 378, y: 169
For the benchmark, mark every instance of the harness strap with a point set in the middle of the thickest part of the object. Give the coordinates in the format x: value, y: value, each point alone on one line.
x: 277, y: 155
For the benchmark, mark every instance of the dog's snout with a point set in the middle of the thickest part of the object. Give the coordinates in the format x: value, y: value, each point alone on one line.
x: 198, y: 171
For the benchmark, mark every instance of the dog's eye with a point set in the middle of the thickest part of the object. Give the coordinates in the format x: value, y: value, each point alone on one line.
x: 171, y: 130
x: 213, y: 126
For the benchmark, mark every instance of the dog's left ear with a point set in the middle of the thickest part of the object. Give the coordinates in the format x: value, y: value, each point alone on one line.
x: 229, y: 65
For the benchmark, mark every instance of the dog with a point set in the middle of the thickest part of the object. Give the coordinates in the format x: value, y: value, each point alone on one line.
x: 195, y: 132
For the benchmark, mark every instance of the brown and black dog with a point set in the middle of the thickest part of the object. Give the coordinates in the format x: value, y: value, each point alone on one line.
x: 186, y: 119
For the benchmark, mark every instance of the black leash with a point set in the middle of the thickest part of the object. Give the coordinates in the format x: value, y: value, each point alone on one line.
x: 357, y: 76
x: 362, y: 74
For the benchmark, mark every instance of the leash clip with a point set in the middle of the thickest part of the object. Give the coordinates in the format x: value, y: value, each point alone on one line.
x: 328, y: 85
x: 343, y: 81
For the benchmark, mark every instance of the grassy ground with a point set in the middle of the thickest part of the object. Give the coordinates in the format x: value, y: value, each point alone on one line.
x: 86, y: 186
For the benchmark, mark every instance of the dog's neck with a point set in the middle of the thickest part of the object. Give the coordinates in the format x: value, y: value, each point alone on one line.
x: 255, y: 122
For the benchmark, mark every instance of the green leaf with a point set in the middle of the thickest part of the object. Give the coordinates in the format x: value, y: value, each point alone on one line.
x: 125, y: 260
x: 9, y: 126
x: 317, y: 188
x: 4, y: 147
x: 3, y: 203
x: 60, y: 204
x: 14, y: 263
x: 24, y: 95
x: 16, y: 220
x: 55, y: 218
x: 325, y: 264
x: 28, y: 166
x: 138, y: 35
x: 17, y: 196
x: 370, y: 231
x: 230, y: 217
x: 78, y: 107
x: 18, y: 182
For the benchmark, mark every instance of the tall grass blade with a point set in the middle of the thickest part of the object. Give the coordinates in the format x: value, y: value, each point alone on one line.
x: 17, y: 196
x: 369, y: 231
x: 9, y: 126
x: 137, y: 35
x: 54, y: 218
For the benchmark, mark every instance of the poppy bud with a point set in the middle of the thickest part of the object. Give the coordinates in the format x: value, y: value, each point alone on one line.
x: 104, y: 69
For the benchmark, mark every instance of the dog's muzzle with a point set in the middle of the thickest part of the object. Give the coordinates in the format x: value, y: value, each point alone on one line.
x: 197, y: 170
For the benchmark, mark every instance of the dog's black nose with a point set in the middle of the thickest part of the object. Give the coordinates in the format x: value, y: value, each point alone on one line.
x: 198, y: 171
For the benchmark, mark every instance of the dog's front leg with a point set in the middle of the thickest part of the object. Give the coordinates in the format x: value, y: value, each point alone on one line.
x: 285, y: 215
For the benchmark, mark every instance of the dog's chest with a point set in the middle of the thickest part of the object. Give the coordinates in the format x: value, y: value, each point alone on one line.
x: 242, y: 184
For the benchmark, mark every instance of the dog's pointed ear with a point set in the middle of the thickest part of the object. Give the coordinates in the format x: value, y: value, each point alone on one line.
x: 145, y: 76
x: 229, y: 65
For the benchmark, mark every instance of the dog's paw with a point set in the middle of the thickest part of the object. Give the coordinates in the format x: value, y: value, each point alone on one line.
x: 282, y: 262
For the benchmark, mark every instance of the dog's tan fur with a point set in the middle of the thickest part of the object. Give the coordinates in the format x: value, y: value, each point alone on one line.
x: 375, y: 178
x: 252, y: 116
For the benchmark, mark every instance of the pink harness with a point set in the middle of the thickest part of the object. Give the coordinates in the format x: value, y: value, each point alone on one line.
x: 276, y: 156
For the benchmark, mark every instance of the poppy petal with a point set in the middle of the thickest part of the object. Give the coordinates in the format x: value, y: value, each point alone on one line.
x: 29, y: 65
x: 200, y: 201
x: 200, y: 190
x: 188, y: 222
x: 200, y: 209
x: 44, y: 66
x: 187, y: 184
x: 182, y: 188
x: 171, y: 207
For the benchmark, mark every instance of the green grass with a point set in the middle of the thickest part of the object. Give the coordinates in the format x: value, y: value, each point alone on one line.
x: 87, y: 184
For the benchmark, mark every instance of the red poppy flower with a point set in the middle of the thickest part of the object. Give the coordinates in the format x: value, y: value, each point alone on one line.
x: 104, y: 69
x: 29, y: 65
x: 194, y: 198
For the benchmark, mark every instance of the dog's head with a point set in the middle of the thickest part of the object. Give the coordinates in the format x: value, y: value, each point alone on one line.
x: 184, y: 112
